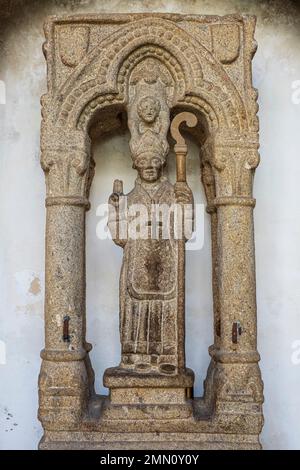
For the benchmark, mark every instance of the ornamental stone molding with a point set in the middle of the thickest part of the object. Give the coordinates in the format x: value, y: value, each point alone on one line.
x: 152, y: 73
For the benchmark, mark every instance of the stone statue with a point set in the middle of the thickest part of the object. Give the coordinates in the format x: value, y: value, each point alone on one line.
x: 149, y: 274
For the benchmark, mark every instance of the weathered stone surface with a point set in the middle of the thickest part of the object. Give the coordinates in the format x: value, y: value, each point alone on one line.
x: 155, y: 70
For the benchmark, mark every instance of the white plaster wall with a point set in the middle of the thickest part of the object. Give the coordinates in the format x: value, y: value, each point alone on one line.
x: 277, y: 221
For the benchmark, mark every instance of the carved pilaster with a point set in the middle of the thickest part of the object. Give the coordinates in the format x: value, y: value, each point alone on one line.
x: 66, y: 375
x: 236, y: 375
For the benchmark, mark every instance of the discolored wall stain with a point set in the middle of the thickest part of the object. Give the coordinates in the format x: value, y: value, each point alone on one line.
x: 35, y: 286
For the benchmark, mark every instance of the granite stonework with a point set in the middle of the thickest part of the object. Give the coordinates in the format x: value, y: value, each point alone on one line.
x: 156, y: 74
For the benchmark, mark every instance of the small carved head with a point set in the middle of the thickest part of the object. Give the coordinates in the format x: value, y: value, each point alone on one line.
x: 148, y: 109
x: 149, y: 166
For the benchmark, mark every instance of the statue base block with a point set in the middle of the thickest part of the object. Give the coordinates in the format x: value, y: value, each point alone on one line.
x: 122, y: 378
x: 135, y: 395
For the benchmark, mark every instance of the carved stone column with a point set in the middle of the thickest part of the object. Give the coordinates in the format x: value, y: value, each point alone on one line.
x: 237, y: 375
x: 66, y: 376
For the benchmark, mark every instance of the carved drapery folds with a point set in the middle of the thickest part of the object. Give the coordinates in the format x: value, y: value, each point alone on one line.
x: 99, y: 70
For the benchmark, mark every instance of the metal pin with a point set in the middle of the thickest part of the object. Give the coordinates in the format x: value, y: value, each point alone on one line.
x: 236, y: 331
x: 66, y: 336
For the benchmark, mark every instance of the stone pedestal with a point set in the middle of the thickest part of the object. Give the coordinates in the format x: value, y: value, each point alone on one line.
x: 136, y: 396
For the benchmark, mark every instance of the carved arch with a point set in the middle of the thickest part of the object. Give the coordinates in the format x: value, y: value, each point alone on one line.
x: 99, y: 73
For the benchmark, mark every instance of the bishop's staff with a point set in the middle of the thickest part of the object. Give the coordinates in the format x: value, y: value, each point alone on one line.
x: 180, y: 149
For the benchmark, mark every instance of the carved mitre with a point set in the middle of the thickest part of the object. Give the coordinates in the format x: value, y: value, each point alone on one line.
x: 149, y: 144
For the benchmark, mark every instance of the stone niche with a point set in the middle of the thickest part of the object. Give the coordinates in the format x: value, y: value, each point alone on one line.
x: 151, y: 72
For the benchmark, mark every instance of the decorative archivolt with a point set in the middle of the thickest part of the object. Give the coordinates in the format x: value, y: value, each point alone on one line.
x: 104, y: 73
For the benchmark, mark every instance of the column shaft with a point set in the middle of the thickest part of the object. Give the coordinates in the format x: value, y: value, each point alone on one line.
x: 65, y: 279
x: 236, y: 280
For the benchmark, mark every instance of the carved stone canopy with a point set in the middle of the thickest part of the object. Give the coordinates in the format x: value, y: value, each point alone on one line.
x: 140, y: 70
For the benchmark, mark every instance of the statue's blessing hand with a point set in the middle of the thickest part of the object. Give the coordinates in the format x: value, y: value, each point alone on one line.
x: 114, y: 199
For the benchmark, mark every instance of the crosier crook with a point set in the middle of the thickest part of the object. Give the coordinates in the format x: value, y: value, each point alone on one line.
x: 180, y: 147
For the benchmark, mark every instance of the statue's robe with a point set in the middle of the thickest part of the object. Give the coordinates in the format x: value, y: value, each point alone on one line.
x: 148, y: 285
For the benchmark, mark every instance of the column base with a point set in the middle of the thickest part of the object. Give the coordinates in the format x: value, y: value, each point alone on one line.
x: 65, y: 389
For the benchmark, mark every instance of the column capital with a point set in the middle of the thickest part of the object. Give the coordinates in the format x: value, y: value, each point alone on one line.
x: 233, y: 158
x: 68, y: 166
